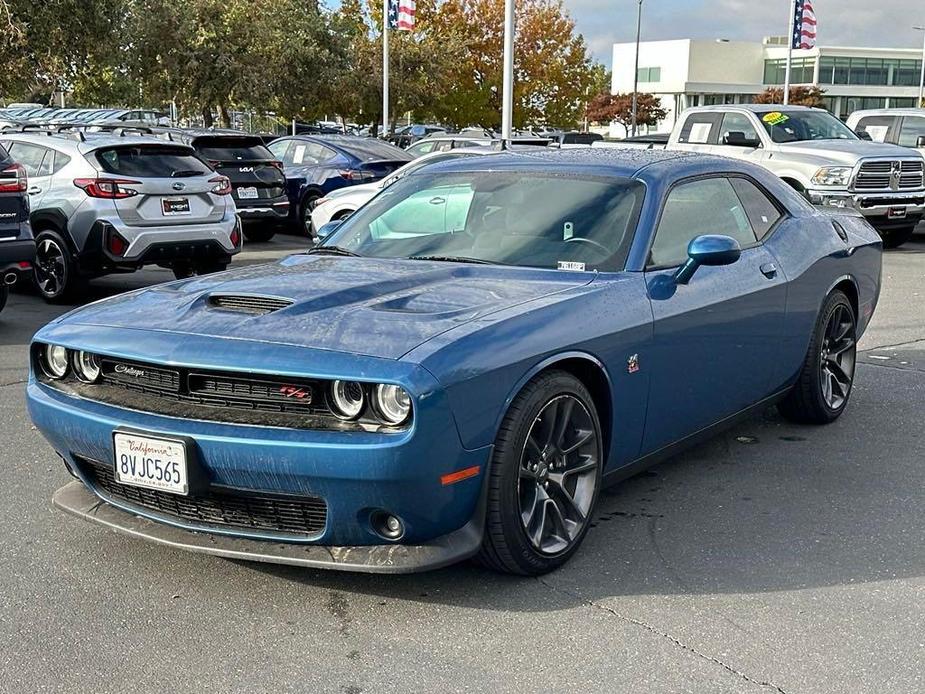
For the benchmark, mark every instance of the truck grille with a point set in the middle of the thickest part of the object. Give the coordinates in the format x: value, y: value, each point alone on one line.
x: 221, y: 507
x: 904, y: 174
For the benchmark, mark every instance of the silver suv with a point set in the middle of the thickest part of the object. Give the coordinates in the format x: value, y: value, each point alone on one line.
x: 104, y: 203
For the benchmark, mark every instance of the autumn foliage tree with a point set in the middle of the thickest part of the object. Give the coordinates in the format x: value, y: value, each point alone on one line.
x: 799, y: 96
x: 609, y: 108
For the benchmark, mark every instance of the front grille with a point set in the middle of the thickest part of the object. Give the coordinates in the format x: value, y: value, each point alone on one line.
x: 244, y: 303
x: 881, y: 175
x: 256, y: 394
x: 221, y: 507
x: 140, y: 376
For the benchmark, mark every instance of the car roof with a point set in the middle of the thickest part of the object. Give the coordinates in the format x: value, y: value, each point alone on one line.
x: 754, y: 108
x: 888, y: 112
x: 70, y: 141
x: 625, y: 163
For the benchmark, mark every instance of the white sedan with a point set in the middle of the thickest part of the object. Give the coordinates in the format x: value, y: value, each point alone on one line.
x: 343, y: 202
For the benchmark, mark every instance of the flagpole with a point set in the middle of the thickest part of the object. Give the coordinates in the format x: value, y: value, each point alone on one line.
x: 792, y: 20
x: 507, y: 83
x: 385, y: 68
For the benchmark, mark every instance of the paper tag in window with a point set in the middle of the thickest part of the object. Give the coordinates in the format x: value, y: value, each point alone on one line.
x: 571, y: 265
x: 299, y: 155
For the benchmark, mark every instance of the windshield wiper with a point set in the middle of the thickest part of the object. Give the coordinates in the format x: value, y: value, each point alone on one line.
x: 332, y: 250
x: 454, y: 259
x: 183, y: 173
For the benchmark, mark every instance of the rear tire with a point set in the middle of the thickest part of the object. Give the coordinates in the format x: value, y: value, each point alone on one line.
x: 544, y: 477
x: 823, y: 388
x: 55, y: 272
x: 305, y: 212
x: 896, y: 237
x: 259, y: 234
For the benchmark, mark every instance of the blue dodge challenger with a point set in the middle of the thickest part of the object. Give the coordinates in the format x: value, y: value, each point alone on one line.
x: 460, y: 367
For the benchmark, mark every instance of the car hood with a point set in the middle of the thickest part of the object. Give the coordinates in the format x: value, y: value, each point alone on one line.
x: 847, y: 152
x: 370, y: 306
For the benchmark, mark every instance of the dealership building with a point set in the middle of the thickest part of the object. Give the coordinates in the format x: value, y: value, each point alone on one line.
x: 687, y: 72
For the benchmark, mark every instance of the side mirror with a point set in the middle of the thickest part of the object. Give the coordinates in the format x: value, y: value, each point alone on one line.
x: 864, y: 135
x: 735, y: 138
x: 326, y: 230
x: 709, y: 249
x: 920, y: 142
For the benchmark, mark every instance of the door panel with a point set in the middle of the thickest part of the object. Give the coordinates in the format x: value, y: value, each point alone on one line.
x: 715, y: 343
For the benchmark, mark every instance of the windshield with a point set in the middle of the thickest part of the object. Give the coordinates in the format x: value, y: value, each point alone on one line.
x: 799, y: 126
x: 520, y: 218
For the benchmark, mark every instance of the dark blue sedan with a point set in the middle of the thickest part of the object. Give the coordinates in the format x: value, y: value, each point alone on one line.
x: 317, y: 164
x: 461, y: 366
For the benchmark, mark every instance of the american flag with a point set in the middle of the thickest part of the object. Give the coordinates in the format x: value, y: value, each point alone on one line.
x: 804, y: 25
x: 401, y: 15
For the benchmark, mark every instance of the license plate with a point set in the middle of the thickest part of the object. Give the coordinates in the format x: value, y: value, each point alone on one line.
x: 175, y: 206
x: 153, y: 463
x: 247, y: 193
x: 896, y: 212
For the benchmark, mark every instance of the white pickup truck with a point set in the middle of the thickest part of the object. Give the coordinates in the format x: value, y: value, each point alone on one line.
x: 819, y: 156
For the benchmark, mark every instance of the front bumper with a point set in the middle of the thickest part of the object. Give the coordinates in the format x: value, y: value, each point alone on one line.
x: 889, y: 207
x: 74, y: 498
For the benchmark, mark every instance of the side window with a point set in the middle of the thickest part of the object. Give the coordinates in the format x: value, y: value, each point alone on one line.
x: 423, y: 148
x: 444, y: 146
x: 319, y: 153
x: 436, y: 210
x: 61, y: 160
x: 707, y: 206
x: 737, y: 123
x: 913, y: 128
x: 876, y: 126
x: 45, y: 168
x: 30, y: 156
x: 699, y: 129
x: 759, y: 209
x: 279, y: 149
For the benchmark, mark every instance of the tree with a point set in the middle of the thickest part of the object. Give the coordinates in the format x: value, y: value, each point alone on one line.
x: 799, y: 96
x: 608, y: 108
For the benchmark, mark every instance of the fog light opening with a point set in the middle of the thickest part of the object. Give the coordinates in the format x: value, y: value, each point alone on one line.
x: 387, y: 526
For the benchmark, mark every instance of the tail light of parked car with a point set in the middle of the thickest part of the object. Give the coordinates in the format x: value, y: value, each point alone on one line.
x: 222, y: 185
x: 107, y: 188
x: 354, y: 175
x: 14, y: 185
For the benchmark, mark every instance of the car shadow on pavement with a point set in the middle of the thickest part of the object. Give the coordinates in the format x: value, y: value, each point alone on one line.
x: 767, y: 506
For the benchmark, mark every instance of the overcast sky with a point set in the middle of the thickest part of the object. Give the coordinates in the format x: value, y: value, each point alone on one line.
x: 841, y: 22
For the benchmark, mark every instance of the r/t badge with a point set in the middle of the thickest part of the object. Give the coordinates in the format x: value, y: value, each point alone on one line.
x: 632, y: 364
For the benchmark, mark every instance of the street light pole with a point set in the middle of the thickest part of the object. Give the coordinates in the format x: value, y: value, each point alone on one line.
x: 636, y: 68
x: 507, y: 84
x: 922, y: 77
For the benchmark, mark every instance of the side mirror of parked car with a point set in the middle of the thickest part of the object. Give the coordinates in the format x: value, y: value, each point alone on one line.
x: 735, y: 138
x: 326, y: 230
x: 920, y: 142
x: 863, y: 134
x: 709, y: 249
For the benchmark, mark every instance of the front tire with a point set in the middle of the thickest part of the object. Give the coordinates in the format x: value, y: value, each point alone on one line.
x: 897, y: 236
x: 305, y: 212
x: 544, y: 478
x: 823, y: 388
x: 259, y: 234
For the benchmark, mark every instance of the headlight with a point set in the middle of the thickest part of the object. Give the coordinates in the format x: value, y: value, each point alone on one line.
x: 833, y: 176
x: 87, y: 367
x: 347, y: 398
x: 392, y: 403
x: 54, y: 361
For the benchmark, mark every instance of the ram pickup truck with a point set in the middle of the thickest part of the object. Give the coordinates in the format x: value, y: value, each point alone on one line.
x: 819, y: 156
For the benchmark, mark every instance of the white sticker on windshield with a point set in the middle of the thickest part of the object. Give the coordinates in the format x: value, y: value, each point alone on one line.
x: 571, y: 265
x: 299, y: 155
x: 567, y: 231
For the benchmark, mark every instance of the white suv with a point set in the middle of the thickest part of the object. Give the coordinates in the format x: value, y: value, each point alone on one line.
x: 104, y: 203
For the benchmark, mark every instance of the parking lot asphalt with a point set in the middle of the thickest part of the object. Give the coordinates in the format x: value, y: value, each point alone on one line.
x: 774, y: 558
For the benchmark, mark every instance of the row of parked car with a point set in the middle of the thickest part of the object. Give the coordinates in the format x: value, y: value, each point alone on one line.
x: 113, y: 199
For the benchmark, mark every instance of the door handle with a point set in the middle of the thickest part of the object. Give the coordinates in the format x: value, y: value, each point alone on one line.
x: 437, y: 201
x: 34, y: 190
x: 769, y: 270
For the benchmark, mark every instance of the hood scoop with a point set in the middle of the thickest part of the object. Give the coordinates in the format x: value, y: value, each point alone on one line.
x: 253, y: 304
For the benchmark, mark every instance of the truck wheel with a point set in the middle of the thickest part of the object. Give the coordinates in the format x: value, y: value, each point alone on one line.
x: 823, y: 388
x: 896, y: 237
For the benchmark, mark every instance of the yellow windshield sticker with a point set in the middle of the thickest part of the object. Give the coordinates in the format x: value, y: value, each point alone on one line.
x: 775, y: 118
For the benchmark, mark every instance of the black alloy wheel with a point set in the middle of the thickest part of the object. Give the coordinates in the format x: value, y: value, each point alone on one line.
x: 54, y: 272
x: 823, y: 387
x: 544, y: 477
